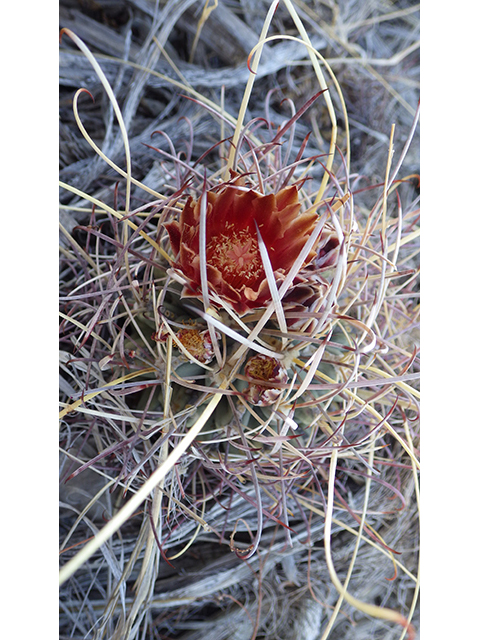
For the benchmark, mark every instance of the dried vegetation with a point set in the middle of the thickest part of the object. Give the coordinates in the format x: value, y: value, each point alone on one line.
x: 295, y: 514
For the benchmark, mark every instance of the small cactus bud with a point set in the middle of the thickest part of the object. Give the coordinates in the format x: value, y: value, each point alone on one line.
x: 267, y: 369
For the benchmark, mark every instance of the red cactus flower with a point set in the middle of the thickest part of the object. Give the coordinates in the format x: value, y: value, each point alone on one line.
x: 234, y: 264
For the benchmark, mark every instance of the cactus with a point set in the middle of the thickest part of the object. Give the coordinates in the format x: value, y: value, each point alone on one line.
x: 239, y: 349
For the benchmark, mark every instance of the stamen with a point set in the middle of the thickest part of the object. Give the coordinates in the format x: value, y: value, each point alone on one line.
x: 236, y: 256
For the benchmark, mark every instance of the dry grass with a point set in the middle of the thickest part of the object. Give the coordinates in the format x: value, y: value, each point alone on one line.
x: 213, y: 518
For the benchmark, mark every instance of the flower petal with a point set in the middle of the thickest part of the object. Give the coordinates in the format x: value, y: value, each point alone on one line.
x: 234, y: 266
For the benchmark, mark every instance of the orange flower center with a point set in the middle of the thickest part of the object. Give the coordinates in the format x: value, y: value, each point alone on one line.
x: 236, y: 256
x: 262, y: 368
x: 192, y: 341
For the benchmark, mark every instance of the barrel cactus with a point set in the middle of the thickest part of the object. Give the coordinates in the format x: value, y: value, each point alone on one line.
x: 239, y: 360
